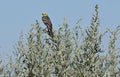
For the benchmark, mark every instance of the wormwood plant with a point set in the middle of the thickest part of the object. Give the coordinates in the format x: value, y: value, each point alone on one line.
x: 1, y: 67
x: 71, y: 53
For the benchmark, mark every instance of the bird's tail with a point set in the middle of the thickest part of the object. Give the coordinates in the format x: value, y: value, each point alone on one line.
x: 50, y: 33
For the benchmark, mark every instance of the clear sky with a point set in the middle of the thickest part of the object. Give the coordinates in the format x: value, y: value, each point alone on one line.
x: 18, y: 15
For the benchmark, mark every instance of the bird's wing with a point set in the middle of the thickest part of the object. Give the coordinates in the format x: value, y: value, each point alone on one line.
x: 47, y: 21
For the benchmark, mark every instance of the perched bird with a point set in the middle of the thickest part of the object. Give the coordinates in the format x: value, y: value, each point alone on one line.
x: 46, y: 20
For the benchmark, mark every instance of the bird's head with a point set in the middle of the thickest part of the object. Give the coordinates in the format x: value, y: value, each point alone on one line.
x: 44, y: 14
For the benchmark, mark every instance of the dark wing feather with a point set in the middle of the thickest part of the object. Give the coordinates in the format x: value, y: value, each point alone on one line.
x: 46, y: 20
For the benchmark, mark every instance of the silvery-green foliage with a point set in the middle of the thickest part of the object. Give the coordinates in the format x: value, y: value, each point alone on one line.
x: 1, y: 66
x: 70, y: 53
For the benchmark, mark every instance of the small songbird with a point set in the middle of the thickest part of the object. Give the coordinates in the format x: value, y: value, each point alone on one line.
x: 46, y: 20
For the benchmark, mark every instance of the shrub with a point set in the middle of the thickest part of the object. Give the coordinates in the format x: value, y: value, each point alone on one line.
x: 71, y: 53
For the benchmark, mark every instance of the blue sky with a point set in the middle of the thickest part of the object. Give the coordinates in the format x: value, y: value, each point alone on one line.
x: 18, y: 15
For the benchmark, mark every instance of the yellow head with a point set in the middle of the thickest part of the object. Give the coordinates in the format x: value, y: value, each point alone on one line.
x: 44, y: 14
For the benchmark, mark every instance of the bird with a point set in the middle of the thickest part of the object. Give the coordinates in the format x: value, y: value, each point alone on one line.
x: 46, y: 20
